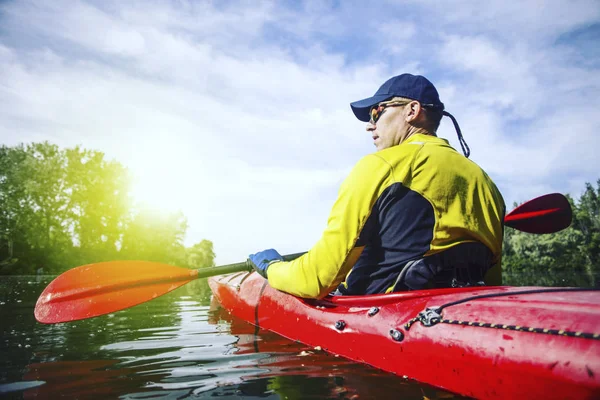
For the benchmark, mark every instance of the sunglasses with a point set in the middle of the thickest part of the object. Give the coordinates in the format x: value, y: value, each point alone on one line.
x: 377, y: 110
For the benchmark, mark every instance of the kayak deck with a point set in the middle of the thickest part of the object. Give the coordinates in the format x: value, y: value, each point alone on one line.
x: 495, y: 360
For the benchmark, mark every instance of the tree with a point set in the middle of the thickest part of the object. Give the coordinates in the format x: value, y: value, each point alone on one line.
x: 201, y: 255
x: 12, y: 207
x: 60, y: 208
x: 100, y: 204
x: 567, y: 258
x: 545, y: 260
x: 155, y: 237
x: 586, y: 219
x: 34, y: 204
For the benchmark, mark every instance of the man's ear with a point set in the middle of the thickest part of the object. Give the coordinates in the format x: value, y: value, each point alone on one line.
x: 413, y: 111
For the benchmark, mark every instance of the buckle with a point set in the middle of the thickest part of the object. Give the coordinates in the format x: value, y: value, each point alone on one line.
x: 430, y: 316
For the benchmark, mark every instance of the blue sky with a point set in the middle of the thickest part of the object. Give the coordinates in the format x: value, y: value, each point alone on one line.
x: 236, y: 112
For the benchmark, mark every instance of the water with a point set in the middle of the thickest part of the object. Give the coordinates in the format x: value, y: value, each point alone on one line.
x: 179, y: 346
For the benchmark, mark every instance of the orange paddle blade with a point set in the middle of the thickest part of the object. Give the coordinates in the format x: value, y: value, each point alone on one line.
x: 545, y: 214
x: 98, y: 289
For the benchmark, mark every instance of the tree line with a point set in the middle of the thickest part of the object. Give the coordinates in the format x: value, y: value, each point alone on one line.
x: 570, y: 257
x: 60, y: 208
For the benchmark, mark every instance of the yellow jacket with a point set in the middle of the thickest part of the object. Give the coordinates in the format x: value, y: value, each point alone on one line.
x: 405, y: 202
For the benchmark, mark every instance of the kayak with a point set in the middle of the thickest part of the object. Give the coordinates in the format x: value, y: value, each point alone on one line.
x: 484, y: 342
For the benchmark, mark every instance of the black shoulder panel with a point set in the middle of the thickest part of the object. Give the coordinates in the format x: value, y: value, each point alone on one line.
x: 399, y: 229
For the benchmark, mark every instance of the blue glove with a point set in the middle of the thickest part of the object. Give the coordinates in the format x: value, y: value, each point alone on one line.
x: 261, y: 260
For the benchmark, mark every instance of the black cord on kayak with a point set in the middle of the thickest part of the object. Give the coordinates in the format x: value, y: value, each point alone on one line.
x: 533, y: 291
x: 433, y: 315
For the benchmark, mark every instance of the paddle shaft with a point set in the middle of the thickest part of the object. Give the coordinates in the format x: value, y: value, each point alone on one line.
x: 237, y: 267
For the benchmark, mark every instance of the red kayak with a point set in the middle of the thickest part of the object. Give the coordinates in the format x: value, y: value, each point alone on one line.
x: 483, y: 342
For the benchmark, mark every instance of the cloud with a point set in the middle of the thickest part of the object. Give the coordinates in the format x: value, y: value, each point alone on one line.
x: 537, y: 22
x: 237, y: 112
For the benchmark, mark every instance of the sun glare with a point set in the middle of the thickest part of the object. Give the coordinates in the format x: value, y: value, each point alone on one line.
x: 160, y: 174
x: 160, y: 191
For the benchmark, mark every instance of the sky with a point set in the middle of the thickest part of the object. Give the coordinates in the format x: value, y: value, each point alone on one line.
x: 237, y: 112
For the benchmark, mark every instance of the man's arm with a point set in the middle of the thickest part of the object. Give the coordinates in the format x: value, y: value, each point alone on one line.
x: 325, y: 266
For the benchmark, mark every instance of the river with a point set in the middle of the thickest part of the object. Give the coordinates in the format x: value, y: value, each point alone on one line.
x: 179, y: 346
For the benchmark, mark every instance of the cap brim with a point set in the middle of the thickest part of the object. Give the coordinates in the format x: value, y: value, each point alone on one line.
x: 361, y: 108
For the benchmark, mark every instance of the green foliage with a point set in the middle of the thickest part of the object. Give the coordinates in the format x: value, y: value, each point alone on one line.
x: 201, y: 255
x: 155, y: 237
x: 567, y: 258
x: 60, y: 208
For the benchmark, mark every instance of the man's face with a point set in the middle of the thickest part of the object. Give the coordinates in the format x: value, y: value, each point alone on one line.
x: 388, y: 125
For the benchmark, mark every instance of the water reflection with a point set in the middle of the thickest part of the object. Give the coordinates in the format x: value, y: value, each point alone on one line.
x: 174, y: 347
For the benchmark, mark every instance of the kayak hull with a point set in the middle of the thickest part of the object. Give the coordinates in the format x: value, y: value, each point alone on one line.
x: 476, y: 361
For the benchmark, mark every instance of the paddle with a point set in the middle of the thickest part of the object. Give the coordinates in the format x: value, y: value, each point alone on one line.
x: 97, y: 289
x: 545, y: 214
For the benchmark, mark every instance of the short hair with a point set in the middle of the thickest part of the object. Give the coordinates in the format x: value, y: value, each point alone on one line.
x: 433, y: 116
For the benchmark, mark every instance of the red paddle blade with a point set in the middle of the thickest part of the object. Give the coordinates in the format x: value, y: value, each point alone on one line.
x: 545, y: 214
x: 97, y: 289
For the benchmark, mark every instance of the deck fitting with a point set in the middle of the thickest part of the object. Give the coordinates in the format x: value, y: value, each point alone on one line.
x: 340, y: 325
x: 397, y: 335
x: 372, y: 311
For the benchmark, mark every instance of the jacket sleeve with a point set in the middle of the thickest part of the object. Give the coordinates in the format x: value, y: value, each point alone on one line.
x: 327, y: 263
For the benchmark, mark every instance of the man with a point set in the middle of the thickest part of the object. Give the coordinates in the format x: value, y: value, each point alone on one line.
x: 412, y: 215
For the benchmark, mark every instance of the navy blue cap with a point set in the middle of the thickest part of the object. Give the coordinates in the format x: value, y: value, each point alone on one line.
x: 414, y: 87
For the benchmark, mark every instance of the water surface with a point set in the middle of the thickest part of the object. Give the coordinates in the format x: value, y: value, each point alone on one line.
x: 178, y: 346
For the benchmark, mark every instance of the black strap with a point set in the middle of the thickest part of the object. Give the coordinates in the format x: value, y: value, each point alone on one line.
x: 461, y: 265
x: 461, y: 139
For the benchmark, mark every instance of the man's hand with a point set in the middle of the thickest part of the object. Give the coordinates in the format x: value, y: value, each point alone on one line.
x: 261, y: 260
